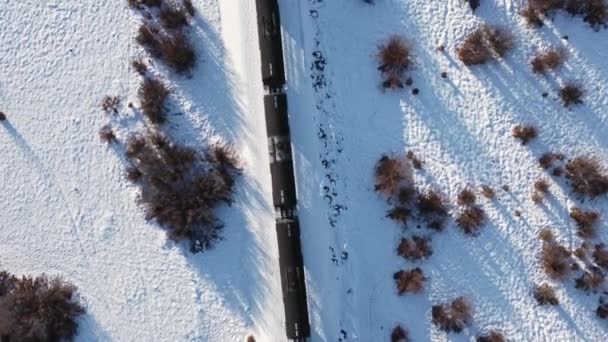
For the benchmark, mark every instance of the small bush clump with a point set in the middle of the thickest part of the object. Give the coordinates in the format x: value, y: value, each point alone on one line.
x: 148, y: 38
x: 485, y: 43
x: 556, y: 260
x: 139, y: 66
x: 466, y: 197
x: 602, y: 308
x: 415, y: 248
x: 189, y: 7
x: 587, y: 177
x: 432, y: 208
x: 492, y: 336
x: 548, y: 60
x: 394, y: 58
x: 152, y: 95
x: 400, y: 334
x: 106, y: 134
x: 38, y: 309
x: 110, y: 104
x: 600, y: 256
x: 172, y: 17
x: 585, y: 221
x: 524, y: 133
x: 487, y: 192
x: 416, y: 162
x: 545, y: 295
x: 454, y: 316
x: 591, y: 281
x: 571, y: 94
x: 390, y: 174
x: 594, y: 12
x: 174, y: 49
x: 411, y: 281
x: 471, y: 219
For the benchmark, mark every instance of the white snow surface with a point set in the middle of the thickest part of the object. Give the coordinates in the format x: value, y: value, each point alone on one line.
x: 68, y: 210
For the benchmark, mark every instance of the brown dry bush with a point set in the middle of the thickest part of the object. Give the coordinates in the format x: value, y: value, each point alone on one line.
x: 542, y: 186
x: 399, y: 214
x: 492, y: 336
x: 602, y: 308
x: 399, y: 334
x: 547, y: 60
x: 466, y: 197
x: 152, y: 95
x: 431, y: 206
x: 532, y: 16
x: 38, y: 309
x: 487, y: 192
x: 139, y: 66
x: 556, y: 260
x: 148, y: 36
x: 591, y: 281
x: 600, y: 256
x: 172, y: 17
x: 106, y: 134
x: 415, y: 248
x: 110, y: 104
x: 586, y: 176
x: 585, y: 221
x: 411, y: 281
x: 390, y: 173
x: 180, y: 187
x: 524, y: 133
x: 546, y: 235
x: 189, y: 7
x: 571, y: 94
x: 545, y: 295
x: 546, y: 160
x: 394, y: 57
x: 471, y: 220
x: 596, y: 13
x: 485, y: 43
x: 416, y: 162
x: 454, y: 316
x: 178, y: 53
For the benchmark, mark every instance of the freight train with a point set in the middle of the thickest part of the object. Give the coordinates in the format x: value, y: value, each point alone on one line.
x: 291, y: 263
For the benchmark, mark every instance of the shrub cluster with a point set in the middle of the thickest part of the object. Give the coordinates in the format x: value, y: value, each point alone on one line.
x: 524, y: 133
x: 471, y: 219
x: 394, y: 58
x: 547, y: 60
x: 411, y: 281
x: 487, y: 192
x: 152, y: 96
x: 571, y: 94
x: 391, y: 175
x: 591, y: 281
x: 485, y: 43
x: 38, y: 309
x: 454, y: 316
x: 545, y: 295
x: 556, y: 260
x: 585, y: 222
x: 415, y: 248
x: 548, y: 159
x: 106, y: 134
x: 594, y: 12
x: 587, y: 177
x: 602, y: 308
x: 466, y: 197
x: 541, y: 189
x: 600, y: 256
x: 492, y: 336
x: 399, y: 334
x: 173, y: 48
x: 181, y: 187
x: 110, y: 104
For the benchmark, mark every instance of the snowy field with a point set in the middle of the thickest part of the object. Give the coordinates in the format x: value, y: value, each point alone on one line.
x: 67, y: 209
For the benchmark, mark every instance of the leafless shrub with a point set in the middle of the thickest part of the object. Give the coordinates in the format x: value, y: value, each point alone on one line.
x: 487, y: 192
x: 591, y: 281
x: 38, y: 309
x: 148, y: 36
x: 600, y: 256
x: 454, y: 316
x: 110, y: 104
x: 415, y: 248
x: 172, y: 17
x: 189, y: 7
x: 547, y: 60
x: 394, y: 57
x: 178, y: 53
x: 471, y: 220
x: 546, y: 235
x: 542, y: 186
x: 585, y: 221
x: 571, y: 94
x: 133, y: 174
x: 2, y: 116
x: 411, y: 281
x: 586, y: 176
x: 416, y: 162
x: 399, y: 334
x: 466, y: 197
x: 139, y: 66
x: 152, y: 95
x: 596, y: 13
x: 106, y: 134
x: 545, y: 295
x: 602, y: 308
x: 546, y: 160
x: 180, y: 187
x: 492, y: 336
x: 532, y: 16
x: 399, y: 214
x: 524, y: 133
x: 485, y: 43
x: 390, y: 173
x: 556, y: 260
x: 431, y: 202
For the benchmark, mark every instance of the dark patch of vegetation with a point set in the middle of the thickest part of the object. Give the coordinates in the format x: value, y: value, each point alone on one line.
x: 571, y: 94
x: 148, y: 38
x: 189, y: 7
x: 541, y: 189
x: 390, y: 174
x: 139, y: 66
x: 545, y: 295
x: 487, y: 192
x: 172, y: 17
x: 585, y: 221
x: 587, y: 177
x: 485, y: 43
x: 492, y: 336
x: 174, y: 49
x: 416, y: 162
x: 454, y: 316
x: 415, y: 248
x: 432, y: 208
x: 38, y: 309
x: 106, y: 134
x: 181, y: 187
x: 602, y: 308
x: 556, y: 260
x: 524, y: 133
x: 411, y: 281
x: 590, y: 281
x: 547, y: 60
x: 110, y: 104
x: 471, y: 219
x: 600, y: 256
x: 394, y: 58
x: 399, y: 334
x: 594, y: 12
x: 466, y: 197
x: 152, y: 95
x: 2, y: 116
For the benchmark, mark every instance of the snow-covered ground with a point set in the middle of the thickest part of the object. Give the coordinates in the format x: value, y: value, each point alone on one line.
x: 66, y: 208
